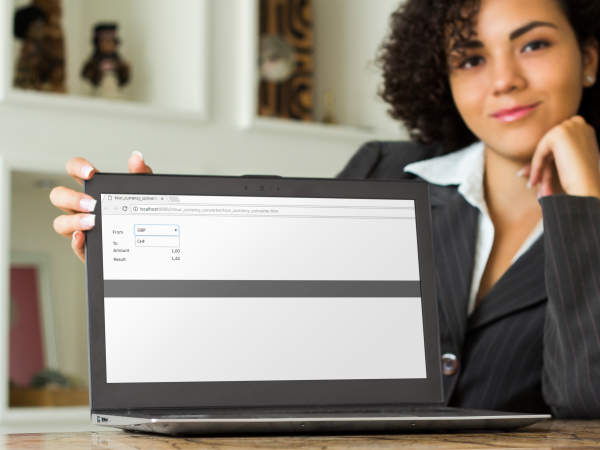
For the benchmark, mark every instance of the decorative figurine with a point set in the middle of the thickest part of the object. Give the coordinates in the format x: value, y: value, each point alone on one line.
x: 277, y: 59
x: 105, y: 70
x: 54, y: 41
x: 329, y: 108
x: 38, y: 63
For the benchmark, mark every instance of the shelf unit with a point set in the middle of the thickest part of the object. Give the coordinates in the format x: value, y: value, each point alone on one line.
x: 168, y: 83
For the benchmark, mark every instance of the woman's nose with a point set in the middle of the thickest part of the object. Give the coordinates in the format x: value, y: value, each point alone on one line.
x: 507, y: 76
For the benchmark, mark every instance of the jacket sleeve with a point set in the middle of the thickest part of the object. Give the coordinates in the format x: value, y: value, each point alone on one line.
x: 571, y: 374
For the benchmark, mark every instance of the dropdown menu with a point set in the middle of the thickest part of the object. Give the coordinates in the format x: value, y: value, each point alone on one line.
x: 157, y: 235
x: 157, y: 230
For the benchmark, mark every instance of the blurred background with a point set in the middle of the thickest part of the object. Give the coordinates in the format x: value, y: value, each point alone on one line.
x: 214, y: 87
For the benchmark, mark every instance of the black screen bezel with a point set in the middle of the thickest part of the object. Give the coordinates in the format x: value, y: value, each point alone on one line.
x: 113, y: 396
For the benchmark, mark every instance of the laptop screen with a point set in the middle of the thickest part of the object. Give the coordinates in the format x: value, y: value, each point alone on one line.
x: 217, y: 289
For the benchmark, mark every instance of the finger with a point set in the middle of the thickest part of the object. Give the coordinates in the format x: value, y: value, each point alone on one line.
x: 69, y: 200
x: 78, y: 244
x: 545, y: 185
x: 67, y: 225
x: 525, y: 171
x: 578, y: 119
x: 80, y: 169
x: 540, y: 157
x: 137, y: 164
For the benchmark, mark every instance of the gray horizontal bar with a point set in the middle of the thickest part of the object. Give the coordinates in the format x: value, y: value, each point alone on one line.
x: 213, y: 288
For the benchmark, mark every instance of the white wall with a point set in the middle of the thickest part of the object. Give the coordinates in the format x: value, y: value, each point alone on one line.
x: 358, y: 27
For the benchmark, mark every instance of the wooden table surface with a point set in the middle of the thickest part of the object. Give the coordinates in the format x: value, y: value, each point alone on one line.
x: 550, y: 434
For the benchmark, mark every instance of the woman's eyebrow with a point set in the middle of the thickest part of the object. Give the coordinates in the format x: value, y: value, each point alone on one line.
x: 515, y: 34
x: 520, y: 31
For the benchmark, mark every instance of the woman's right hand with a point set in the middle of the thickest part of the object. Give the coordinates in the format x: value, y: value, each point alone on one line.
x: 78, y: 205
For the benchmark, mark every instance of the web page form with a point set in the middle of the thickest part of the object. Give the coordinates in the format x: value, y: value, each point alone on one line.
x: 200, y: 288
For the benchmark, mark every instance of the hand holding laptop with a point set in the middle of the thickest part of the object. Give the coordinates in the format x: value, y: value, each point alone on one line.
x: 78, y: 205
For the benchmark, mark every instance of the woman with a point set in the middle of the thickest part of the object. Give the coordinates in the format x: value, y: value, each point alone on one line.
x: 502, y: 103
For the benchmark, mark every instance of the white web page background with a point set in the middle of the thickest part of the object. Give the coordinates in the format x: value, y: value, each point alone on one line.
x: 187, y: 338
x: 258, y: 339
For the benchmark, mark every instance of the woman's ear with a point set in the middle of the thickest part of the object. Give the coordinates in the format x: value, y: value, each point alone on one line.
x: 591, y: 54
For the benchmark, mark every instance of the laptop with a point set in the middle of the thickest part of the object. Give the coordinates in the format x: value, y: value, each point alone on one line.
x: 240, y: 305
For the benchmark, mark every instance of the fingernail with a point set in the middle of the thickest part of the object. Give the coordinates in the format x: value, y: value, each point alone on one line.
x: 88, y: 221
x: 529, y: 184
x: 139, y: 154
x: 539, y: 195
x: 75, y: 233
x: 87, y: 204
x: 521, y: 172
x: 86, y: 170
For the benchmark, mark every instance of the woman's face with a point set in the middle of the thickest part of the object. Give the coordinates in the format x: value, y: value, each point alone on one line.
x: 541, y: 67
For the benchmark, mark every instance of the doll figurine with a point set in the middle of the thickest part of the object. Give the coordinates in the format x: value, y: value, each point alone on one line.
x: 54, y: 41
x: 105, y: 70
x: 37, y: 61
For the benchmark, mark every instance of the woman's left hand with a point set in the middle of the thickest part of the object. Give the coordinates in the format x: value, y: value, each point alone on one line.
x: 569, y: 151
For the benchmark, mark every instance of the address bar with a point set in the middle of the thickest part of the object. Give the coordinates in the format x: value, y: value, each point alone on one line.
x: 274, y: 211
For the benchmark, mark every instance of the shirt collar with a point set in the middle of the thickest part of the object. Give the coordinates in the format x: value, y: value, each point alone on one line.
x: 464, y: 168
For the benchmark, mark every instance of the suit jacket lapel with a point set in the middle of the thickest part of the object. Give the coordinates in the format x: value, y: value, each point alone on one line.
x: 522, y: 285
x: 455, y: 228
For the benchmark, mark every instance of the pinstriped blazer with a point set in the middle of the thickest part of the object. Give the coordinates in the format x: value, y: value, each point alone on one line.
x: 533, y: 343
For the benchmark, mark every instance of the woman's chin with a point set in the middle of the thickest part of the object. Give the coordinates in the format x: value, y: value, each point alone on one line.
x: 517, y: 144
x: 515, y: 150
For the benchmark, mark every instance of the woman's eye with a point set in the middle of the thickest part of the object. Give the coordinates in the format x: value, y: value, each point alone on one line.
x: 470, y: 62
x: 535, y: 45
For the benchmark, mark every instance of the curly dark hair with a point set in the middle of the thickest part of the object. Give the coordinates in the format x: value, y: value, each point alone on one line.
x: 414, y: 60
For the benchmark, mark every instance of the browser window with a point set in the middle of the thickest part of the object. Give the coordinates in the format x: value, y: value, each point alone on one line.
x: 201, y: 289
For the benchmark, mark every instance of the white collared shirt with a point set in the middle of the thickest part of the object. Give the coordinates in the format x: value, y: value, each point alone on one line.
x: 465, y: 168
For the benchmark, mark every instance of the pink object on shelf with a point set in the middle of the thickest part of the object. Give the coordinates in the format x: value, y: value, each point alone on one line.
x: 26, y: 339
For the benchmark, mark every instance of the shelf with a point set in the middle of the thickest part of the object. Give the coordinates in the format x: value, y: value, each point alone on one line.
x: 336, y: 131
x: 77, y: 414
x: 99, y: 106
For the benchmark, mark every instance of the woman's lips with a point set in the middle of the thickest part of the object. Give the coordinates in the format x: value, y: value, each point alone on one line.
x: 514, y: 114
